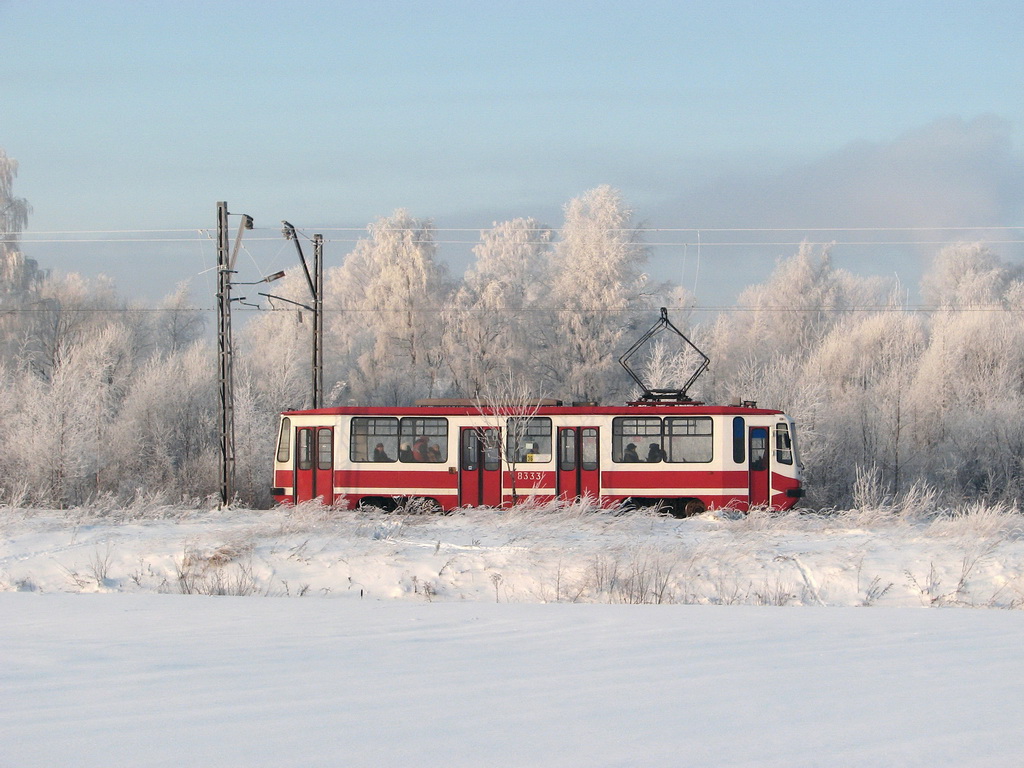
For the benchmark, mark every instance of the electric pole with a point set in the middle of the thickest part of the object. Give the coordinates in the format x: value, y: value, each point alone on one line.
x: 225, y: 269
x: 318, y: 321
x: 315, y: 283
x: 227, y: 396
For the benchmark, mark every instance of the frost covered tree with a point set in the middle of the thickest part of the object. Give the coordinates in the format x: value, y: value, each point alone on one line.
x: 968, y: 275
x: 766, y: 350
x: 79, y: 369
x: 70, y: 308
x: 14, y: 211
x: 20, y: 277
x: 969, y: 386
x: 255, y: 429
x: 866, y: 367
x: 166, y: 434
x: 384, y: 312
x: 597, y: 290
x: 491, y: 320
x: 789, y: 314
x: 179, y: 323
x: 59, y: 438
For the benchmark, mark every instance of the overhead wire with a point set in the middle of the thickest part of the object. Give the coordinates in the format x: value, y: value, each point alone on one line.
x: 661, y: 244
x: 919, y: 308
x: 118, y: 235
x: 200, y: 236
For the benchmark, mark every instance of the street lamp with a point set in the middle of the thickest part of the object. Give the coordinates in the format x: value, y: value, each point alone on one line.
x: 267, y: 279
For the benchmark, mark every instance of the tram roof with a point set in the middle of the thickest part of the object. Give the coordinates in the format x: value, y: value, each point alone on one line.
x: 533, y: 409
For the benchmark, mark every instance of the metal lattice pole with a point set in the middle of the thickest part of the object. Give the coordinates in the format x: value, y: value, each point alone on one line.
x: 226, y: 376
x: 318, y: 321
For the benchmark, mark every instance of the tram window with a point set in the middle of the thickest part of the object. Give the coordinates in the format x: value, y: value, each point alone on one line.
x: 284, y: 442
x: 689, y: 439
x: 739, y: 440
x: 783, y: 444
x: 304, y: 449
x: 759, y: 449
x: 325, y: 449
x: 374, y: 439
x: 567, y: 449
x: 470, y: 450
x: 643, y: 433
x: 588, y: 449
x: 492, y: 450
x: 528, y: 439
x: 424, y: 440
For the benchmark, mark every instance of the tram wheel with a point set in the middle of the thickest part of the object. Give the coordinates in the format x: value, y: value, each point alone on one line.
x: 694, y: 507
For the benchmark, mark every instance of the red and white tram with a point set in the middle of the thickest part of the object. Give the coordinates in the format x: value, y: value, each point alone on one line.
x: 686, y: 456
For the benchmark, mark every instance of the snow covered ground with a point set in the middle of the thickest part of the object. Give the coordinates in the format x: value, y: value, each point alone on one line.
x: 395, y: 640
x: 971, y: 557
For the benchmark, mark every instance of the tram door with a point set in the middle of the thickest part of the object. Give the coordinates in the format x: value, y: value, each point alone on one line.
x: 760, y: 472
x: 480, y: 467
x: 314, y: 464
x: 578, y: 470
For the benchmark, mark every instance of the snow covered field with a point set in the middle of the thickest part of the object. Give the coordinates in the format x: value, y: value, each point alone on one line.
x: 971, y: 557
x: 439, y: 640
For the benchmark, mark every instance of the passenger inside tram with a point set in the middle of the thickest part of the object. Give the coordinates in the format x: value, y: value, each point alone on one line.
x: 420, y: 450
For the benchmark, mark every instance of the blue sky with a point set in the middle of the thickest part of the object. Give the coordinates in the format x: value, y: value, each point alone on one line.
x: 141, y: 115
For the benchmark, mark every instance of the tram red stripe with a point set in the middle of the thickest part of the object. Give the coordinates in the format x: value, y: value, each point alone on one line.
x: 668, y: 478
x: 388, y: 478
